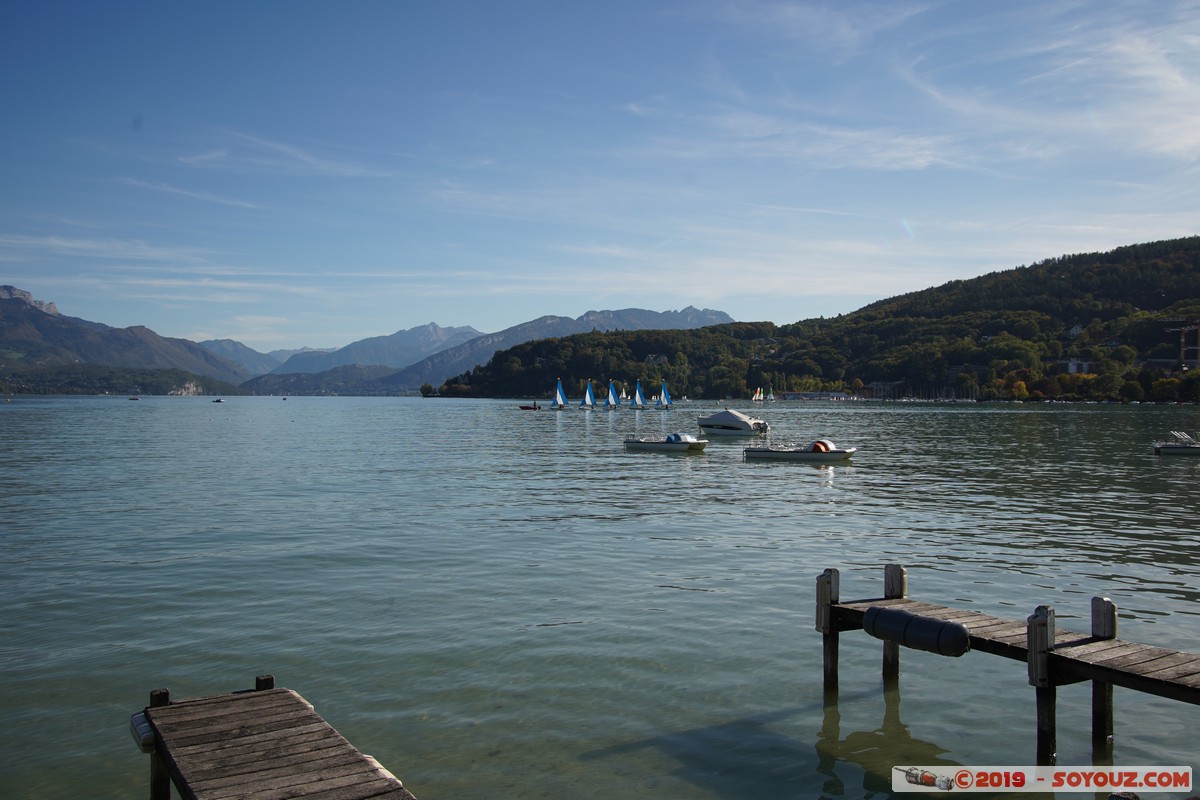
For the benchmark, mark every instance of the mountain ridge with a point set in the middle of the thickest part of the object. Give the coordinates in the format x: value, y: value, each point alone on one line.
x: 35, y: 335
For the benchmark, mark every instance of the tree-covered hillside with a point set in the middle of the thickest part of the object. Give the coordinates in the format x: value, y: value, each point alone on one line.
x: 1098, y: 325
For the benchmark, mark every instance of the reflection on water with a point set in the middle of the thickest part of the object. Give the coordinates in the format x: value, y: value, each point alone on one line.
x: 757, y: 757
x: 877, y: 752
x: 499, y: 603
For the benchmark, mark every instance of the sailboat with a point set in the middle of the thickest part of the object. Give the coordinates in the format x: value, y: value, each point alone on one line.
x: 589, y: 400
x: 638, y: 401
x: 664, y: 399
x: 611, y: 401
x: 770, y: 394
x: 560, y: 398
x: 758, y: 395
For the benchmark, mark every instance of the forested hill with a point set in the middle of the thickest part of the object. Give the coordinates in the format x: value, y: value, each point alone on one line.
x: 1097, y: 326
x: 1141, y: 276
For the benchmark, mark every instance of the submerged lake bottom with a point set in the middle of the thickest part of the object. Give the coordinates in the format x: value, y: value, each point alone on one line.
x: 497, y: 603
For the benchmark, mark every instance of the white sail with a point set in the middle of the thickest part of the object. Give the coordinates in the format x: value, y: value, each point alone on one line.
x: 611, y: 401
x: 589, y: 399
x: 664, y: 398
x: 638, y: 400
x: 758, y: 395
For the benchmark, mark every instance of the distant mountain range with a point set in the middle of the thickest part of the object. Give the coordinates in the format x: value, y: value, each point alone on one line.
x: 1115, y: 325
x: 457, y: 359
x: 35, y: 335
x: 397, y: 350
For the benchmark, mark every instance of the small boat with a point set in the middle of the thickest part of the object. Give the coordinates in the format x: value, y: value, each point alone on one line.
x: 818, y: 450
x: 671, y: 443
x: 1184, y: 444
x: 534, y: 407
x: 731, y: 423
x: 560, y: 397
x: 638, y: 401
x: 664, y: 399
x: 611, y: 401
x: 758, y: 395
x: 589, y: 398
x: 218, y: 400
x: 135, y: 398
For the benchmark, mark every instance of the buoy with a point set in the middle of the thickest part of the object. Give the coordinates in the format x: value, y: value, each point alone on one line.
x: 919, y: 633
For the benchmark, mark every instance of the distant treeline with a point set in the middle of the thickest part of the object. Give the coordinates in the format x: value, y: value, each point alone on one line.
x: 1102, y: 326
x: 98, y: 379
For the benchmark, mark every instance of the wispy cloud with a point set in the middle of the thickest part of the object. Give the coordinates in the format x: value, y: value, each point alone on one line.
x: 124, y: 249
x: 209, y: 198
x: 249, y: 151
x: 843, y: 28
x: 1085, y: 76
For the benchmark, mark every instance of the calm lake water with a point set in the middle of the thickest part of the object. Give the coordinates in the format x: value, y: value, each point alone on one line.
x: 503, y: 604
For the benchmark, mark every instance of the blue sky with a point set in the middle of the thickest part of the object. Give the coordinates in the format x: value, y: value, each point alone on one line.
x: 312, y: 173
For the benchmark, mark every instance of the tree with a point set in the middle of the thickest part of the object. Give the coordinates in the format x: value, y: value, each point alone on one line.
x: 1165, y: 390
x: 1132, y: 392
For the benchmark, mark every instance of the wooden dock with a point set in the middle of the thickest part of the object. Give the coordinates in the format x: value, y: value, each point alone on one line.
x: 267, y: 744
x: 1053, y: 657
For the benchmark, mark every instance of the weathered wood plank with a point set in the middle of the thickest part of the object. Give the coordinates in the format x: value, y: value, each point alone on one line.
x: 1178, y: 671
x: 1054, y: 657
x: 1075, y: 656
x: 263, y: 744
x: 302, y: 734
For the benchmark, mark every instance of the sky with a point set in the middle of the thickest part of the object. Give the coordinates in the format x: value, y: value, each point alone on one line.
x: 308, y: 174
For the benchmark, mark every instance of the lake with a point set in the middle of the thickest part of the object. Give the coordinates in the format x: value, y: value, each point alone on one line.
x: 505, y: 604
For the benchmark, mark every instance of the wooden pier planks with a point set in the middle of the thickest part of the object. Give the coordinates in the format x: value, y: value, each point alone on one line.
x: 1075, y: 657
x: 268, y: 745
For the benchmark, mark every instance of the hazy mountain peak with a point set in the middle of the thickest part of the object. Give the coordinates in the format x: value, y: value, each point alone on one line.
x: 13, y: 293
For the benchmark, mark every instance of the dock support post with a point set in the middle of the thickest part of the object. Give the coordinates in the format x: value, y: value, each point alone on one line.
x: 895, y: 585
x: 1039, y: 636
x: 263, y: 682
x: 828, y: 592
x: 1104, y: 626
x: 160, y: 779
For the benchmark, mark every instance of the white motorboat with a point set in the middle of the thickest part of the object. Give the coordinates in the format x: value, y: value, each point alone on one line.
x: 1184, y: 444
x: 731, y: 423
x: 819, y: 450
x: 671, y: 443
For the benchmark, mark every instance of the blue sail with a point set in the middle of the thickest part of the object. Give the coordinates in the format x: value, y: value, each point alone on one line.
x: 611, y: 401
x: 664, y: 398
x: 589, y: 399
x: 638, y: 400
x: 560, y: 397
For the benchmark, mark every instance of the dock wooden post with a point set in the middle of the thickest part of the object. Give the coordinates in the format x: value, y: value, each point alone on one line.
x: 1039, y: 636
x: 160, y: 779
x: 1104, y: 626
x: 828, y: 593
x: 895, y: 585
